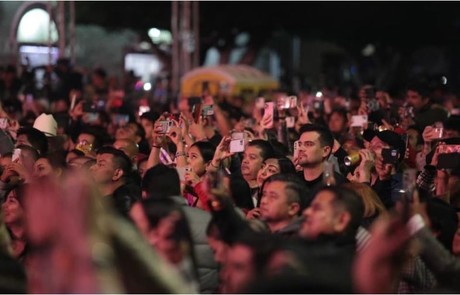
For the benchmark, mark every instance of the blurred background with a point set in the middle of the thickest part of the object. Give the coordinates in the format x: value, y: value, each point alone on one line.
x: 303, y: 45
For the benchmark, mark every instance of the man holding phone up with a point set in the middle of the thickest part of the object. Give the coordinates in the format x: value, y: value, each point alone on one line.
x: 380, y: 163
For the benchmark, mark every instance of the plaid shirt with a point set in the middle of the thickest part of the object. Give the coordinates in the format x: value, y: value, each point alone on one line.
x: 425, y: 179
x: 416, y: 277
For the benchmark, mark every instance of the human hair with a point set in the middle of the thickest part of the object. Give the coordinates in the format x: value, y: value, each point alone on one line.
x: 34, y: 153
x: 120, y: 159
x: 326, y: 138
x: 56, y: 160
x: 373, y: 206
x: 296, y: 190
x: 349, y: 201
x: 157, y: 210
x: 139, y: 129
x: 419, y: 87
x: 161, y: 181
x: 266, y: 149
x: 285, y: 164
x: 151, y: 116
x: 94, y: 133
x: 206, y: 149
x: 36, y: 138
x: 372, y: 203
x: 262, y: 246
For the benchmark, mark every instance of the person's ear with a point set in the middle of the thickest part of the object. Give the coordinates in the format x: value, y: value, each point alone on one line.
x: 342, y: 222
x: 118, y: 174
x: 326, y: 151
x: 294, y: 209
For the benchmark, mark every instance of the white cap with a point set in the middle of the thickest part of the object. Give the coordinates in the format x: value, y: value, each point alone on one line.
x: 46, y: 124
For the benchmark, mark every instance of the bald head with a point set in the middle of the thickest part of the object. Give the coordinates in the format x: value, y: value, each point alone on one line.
x: 128, y: 146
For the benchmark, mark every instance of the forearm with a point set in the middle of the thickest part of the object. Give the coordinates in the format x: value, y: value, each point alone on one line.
x: 154, y: 157
x: 223, y: 125
x: 181, y: 158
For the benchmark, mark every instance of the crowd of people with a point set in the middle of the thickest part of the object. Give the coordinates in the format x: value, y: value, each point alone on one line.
x: 107, y: 191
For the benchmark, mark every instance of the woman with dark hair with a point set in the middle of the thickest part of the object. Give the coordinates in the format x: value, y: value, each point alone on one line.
x: 273, y: 165
x: 53, y: 164
x: 165, y: 227
x: 200, y: 154
x: 13, y: 215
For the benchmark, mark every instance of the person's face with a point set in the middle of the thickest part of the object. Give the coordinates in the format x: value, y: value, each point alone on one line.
x: 269, y: 167
x: 85, y: 137
x: 219, y: 248
x: 196, y: 161
x: 127, y: 131
x: 148, y: 127
x: 320, y: 217
x: 415, y: 100
x: 310, y: 151
x: 22, y: 140
x: 252, y: 162
x: 124, y: 145
x: 412, y: 136
x: 161, y: 239
x: 336, y: 123
x: 274, y: 205
x: 103, y: 171
x: 239, y: 269
x: 42, y: 168
x: 377, y: 145
x: 12, y: 210
x: 27, y: 160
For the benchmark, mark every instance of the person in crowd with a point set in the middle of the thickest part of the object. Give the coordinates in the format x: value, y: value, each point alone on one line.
x: 53, y: 165
x: 112, y: 172
x: 315, y: 147
x: 373, y: 206
x: 14, y: 219
x: 32, y: 137
x: 166, y: 228
x: 161, y: 181
x: 426, y: 112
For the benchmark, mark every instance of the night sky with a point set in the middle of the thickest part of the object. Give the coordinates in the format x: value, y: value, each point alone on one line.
x: 402, y: 24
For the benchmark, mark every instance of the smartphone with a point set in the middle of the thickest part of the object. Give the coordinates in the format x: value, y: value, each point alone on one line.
x: 296, y: 149
x: 358, y: 120
x: 143, y: 109
x: 207, y: 110
x: 120, y: 119
x: 269, y: 109
x: 196, y: 111
x: 3, y: 123
x: 237, y: 145
x: 16, y: 155
x: 448, y: 156
x: 166, y: 126
x: 182, y: 171
x: 290, y: 122
x: 390, y: 156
